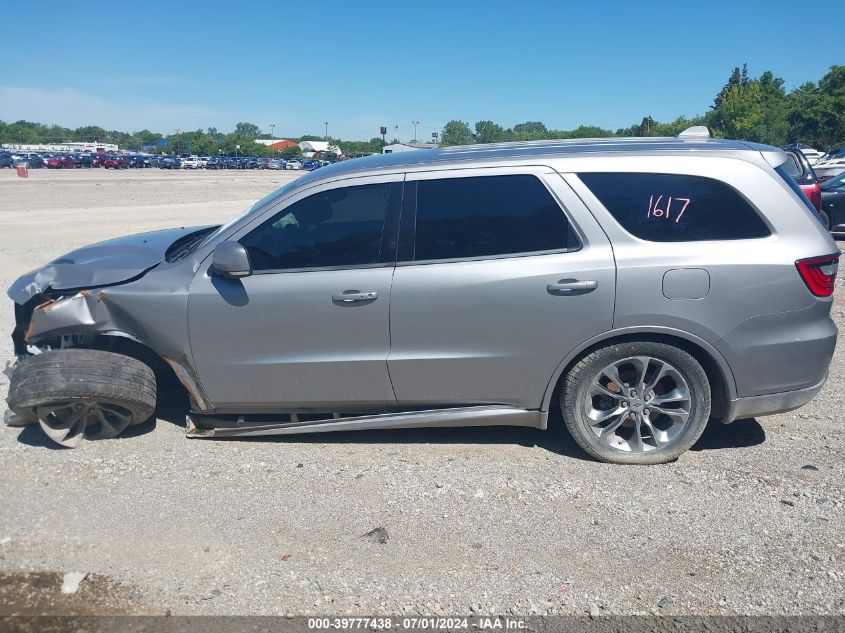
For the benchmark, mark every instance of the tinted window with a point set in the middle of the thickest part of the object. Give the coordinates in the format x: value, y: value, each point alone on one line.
x: 340, y: 227
x: 676, y: 208
x: 488, y: 216
x: 783, y: 172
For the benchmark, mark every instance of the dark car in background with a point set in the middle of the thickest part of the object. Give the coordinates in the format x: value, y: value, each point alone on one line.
x: 833, y: 202
x: 6, y: 160
x: 802, y: 172
x: 83, y: 160
x: 33, y: 161
x: 171, y: 162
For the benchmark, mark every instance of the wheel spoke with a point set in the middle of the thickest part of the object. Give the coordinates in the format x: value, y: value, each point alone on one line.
x: 676, y: 395
x: 643, y: 362
x: 681, y: 414
x: 611, y: 428
x: 612, y: 372
x: 638, y: 434
x: 106, y: 428
x: 658, y: 442
x: 597, y: 416
x: 68, y: 431
x: 657, y: 376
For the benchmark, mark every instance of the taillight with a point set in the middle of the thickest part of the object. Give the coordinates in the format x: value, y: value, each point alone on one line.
x: 819, y: 273
x: 816, y: 196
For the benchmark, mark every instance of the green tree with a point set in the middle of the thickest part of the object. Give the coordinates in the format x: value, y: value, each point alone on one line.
x: 456, y: 133
x: 248, y: 130
x: 530, y: 130
x: 489, y: 132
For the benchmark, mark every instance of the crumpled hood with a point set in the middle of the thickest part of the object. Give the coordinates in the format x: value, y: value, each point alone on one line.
x: 101, y: 264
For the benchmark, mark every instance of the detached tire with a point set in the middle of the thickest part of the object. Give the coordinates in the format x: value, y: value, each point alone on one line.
x: 636, y: 403
x: 79, y: 394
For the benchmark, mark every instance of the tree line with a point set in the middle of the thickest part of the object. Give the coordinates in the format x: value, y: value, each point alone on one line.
x: 746, y: 108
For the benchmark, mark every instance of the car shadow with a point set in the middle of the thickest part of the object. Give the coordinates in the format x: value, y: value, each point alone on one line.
x: 738, y: 434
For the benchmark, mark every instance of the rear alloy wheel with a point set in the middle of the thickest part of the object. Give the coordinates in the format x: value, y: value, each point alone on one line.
x: 636, y: 403
x: 81, y: 394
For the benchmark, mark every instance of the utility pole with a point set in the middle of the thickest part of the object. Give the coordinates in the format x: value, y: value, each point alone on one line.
x: 273, y: 130
x: 396, y: 133
x: 326, y: 137
x: 177, y: 140
x: 416, y: 125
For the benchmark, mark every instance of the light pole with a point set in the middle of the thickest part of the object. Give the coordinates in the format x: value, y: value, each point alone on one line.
x: 326, y: 137
x: 273, y: 130
x: 396, y: 133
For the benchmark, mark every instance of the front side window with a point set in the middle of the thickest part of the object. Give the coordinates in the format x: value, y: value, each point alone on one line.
x: 488, y: 216
x: 676, y: 208
x: 339, y: 227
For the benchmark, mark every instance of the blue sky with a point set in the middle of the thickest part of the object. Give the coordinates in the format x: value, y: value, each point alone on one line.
x: 359, y: 65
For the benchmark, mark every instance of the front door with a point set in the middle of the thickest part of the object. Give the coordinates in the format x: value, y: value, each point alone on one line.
x: 309, y: 328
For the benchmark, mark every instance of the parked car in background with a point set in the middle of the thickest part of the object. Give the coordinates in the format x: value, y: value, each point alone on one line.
x: 831, y: 166
x: 802, y: 173
x: 33, y: 161
x: 60, y: 162
x: 83, y: 160
x: 97, y: 160
x: 275, y: 163
x: 293, y: 164
x: 191, y: 162
x: 812, y: 154
x: 116, y: 162
x: 171, y: 162
x: 633, y: 283
x: 6, y: 160
x: 833, y: 202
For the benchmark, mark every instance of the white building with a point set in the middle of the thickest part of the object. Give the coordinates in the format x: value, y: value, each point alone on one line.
x: 407, y: 147
x: 309, y: 148
x: 62, y: 147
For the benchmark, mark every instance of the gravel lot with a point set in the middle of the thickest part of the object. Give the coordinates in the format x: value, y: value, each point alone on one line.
x: 481, y: 520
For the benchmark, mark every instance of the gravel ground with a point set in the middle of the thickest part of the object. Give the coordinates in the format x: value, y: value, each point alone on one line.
x: 478, y: 520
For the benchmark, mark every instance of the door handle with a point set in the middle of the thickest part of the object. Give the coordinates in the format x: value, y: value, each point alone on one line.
x: 572, y: 287
x: 354, y: 296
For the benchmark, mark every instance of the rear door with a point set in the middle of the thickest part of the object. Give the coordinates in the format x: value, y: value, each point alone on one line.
x: 501, y: 273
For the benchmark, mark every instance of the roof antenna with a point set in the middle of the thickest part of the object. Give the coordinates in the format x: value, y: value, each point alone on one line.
x: 695, y: 132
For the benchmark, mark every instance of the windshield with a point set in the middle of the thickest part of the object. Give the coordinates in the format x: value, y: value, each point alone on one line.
x: 266, y: 200
x: 834, y: 182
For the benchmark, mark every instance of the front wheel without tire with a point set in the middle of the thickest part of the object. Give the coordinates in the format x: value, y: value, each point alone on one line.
x: 79, y: 394
x: 636, y: 403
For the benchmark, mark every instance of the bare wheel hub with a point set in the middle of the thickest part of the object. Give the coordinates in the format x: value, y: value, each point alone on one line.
x: 70, y: 422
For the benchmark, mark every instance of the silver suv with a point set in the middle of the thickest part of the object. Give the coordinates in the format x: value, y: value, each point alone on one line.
x: 644, y: 285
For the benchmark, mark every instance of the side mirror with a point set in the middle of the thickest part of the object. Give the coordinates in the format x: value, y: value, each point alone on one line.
x: 231, y: 260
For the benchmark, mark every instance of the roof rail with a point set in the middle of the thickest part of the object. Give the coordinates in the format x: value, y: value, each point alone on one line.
x: 694, y: 132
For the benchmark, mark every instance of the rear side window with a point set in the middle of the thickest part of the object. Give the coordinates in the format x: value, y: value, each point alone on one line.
x: 676, y: 208
x: 488, y: 216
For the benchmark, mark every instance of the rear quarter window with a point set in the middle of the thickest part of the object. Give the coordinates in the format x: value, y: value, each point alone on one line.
x: 676, y: 208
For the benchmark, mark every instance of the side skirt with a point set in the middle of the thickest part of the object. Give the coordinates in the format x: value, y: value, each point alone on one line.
x: 204, y: 426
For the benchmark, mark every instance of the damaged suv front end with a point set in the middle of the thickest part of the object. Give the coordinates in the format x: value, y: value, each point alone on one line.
x: 127, y: 295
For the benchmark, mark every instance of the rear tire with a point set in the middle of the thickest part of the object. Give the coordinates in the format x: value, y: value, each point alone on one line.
x: 636, y: 403
x: 79, y: 394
